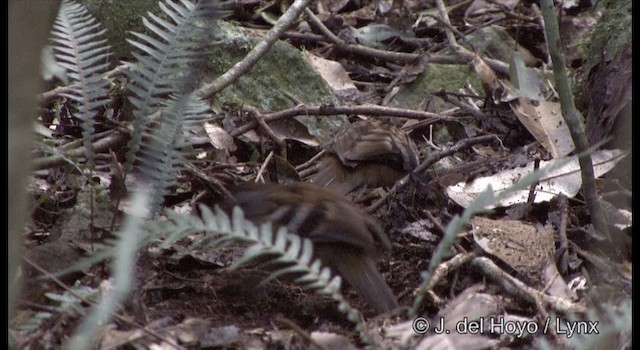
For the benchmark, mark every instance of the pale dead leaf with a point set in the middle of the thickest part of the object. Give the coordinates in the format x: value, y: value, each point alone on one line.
x: 565, y: 179
x: 334, y: 74
x: 377, y: 36
x: 457, y: 341
x: 531, y: 104
x: 401, y: 332
x: 221, y: 337
x: 219, y: 138
x: 557, y: 286
x: 620, y: 218
x: 420, y: 229
x: 481, y: 11
x: 192, y: 330
x: 485, y: 73
x: 472, y: 305
x: 545, y: 122
x: 331, y: 341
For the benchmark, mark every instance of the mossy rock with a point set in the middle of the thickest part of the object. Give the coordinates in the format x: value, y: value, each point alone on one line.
x: 281, y: 72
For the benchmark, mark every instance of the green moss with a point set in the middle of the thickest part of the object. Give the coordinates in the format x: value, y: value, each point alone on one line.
x: 609, y: 36
x: 611, y: 33
x: 436, y: 77
x: 120, y: 17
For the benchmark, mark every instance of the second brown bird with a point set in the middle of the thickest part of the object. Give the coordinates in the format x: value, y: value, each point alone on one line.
x: 344, y: 237
x: 366, y: 153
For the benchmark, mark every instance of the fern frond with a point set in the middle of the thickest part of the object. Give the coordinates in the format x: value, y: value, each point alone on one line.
x: 160, y: 158
x: 167, y: 59
x: 613, y: 326
x: 292, y: 253
x: 612, y: 323
x: 196, y: 113
x: 131, y: 237
x: 285, y: 253
x: 81, y: 49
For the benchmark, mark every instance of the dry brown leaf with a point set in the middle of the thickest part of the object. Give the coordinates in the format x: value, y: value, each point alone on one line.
x: 524, y: 247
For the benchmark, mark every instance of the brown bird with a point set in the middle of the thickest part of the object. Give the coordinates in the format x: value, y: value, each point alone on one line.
x: 366, y: 153
x: 345, y: 238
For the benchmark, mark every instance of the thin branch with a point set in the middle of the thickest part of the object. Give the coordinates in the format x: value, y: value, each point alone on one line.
x: 46, y: 96
x: 305, y: 166
x: 397, y: 57
x: 516, y: 287
x: 513, y: 14
x: 448, y: 266
x: 263, y: 167
x: 255, y: 114
x: 361, y: 50
x: 462, y: 52
x: 476, y: 112
x: 371, y: 110
x: 113, y: 141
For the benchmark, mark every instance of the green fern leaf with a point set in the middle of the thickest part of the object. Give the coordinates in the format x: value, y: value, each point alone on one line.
x: 159, y: 159
x: 167, y: 60
x: 81, y: 49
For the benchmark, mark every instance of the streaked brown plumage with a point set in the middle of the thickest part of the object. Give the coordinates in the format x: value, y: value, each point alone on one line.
x: 345, y: 238
x: 366, y: 153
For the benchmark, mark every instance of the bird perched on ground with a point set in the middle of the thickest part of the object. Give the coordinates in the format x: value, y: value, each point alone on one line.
x: 366, y: 153
x: 345, y: 238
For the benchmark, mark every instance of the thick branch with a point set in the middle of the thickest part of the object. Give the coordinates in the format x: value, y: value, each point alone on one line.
x: 573, y: 117
x: 256, y: 53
